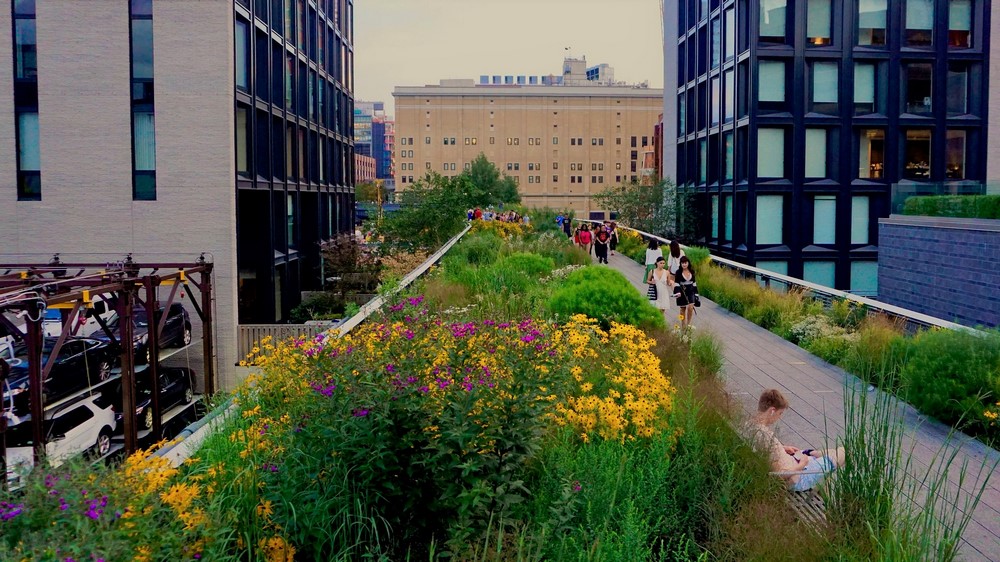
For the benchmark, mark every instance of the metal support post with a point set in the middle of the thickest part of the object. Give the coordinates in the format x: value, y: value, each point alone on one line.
x: 153, y: 329
x: 34, y: 336
x: 125, y: 337
x: 208, y: 329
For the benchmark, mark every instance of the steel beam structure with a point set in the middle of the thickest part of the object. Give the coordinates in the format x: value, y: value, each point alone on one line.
x: 29, y: 288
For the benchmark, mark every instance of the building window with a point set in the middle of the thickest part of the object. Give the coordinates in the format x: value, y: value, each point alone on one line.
x: 864, y: 88
x: 715, y: 217
x: 859, y: 219
x: 770, y: 153
x: 716, y: 101
x: 492, y: 140
x: 825, y: 219
x: 468, y: 141
x: 728, y: 155
x: 772, y: 21
x: 427, y: 140
x: 29, y: 175
x: 730, y: 95
x: 958, y: 89
x: 864, y: 277
x: 872, y: 154
x: 816, y: 155
x: 29, y: 186
x: 242, y: 56
x: 917, y: 154
x: 918, y: 82
x: 960, y: 24
x: 919, y: 23
x: 242, y: 142
x: 774, y: 266
x: 555, y: 179
x: 955, y: 154
x: 772, y: 81
x: 825, y: 86
x: 818, y: 28
x: 730, y: 22
x: 716, y: 42
x: 728, y: 202
x: 702, y: 161
x: 820, y: 272
x: 143, y: 119
x: 770, y: 219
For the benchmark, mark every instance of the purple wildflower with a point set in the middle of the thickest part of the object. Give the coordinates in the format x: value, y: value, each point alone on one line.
x: 360, y: 412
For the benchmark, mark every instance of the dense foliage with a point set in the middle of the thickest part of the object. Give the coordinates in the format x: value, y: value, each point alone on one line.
x: 660, y: 208
x: 959, y: 206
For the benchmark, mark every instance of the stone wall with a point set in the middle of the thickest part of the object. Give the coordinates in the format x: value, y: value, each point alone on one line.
x: 944, y: 267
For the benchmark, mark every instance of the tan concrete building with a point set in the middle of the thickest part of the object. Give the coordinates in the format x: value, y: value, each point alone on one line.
x: 562, y: 142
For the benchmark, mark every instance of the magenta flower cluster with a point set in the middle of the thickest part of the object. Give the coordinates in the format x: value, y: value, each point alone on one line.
x: 9, y: 511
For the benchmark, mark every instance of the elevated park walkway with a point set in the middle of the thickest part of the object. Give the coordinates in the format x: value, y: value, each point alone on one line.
x: 756, y: 359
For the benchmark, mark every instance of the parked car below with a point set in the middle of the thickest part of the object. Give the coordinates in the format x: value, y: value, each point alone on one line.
x: 175, y: 388
x: 80, y: 361
x: 176, y: 331
x: 76, y: 428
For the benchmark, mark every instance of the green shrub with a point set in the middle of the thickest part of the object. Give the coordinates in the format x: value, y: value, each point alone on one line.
x: 829, y: 348
x: 950, y: 374
x: 481, y: 248
x: 604, y: 294
x: 699, y: 256
x: 959, y: 206
x: 529, y: 264
x: 706, y: 349
x: 877, y: 353
x: 324, y: 306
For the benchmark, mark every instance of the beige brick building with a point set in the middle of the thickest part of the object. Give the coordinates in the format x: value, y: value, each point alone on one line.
x: 561, y: 143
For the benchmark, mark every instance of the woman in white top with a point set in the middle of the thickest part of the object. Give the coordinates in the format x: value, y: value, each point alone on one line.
x: 661, y: 279
x: 674, y: 259
x: 653, y: 253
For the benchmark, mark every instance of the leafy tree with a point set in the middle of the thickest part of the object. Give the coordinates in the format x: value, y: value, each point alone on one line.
x: 370, y: 192
x: 659, y: 208
x: 488, y: 185
x: 432, y: 210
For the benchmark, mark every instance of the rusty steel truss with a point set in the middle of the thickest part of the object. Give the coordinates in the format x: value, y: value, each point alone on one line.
x: 71, y: 288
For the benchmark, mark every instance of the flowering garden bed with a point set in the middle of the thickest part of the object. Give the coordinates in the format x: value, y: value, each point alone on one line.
x: 482, y: 419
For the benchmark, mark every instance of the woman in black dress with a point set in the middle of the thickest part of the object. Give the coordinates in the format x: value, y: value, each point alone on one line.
x: 686, y: 291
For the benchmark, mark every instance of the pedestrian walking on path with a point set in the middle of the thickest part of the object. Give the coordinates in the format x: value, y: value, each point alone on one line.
x: 659, y: 278
x: 586, y: 240
x: 686, y: 292
x: 613, y: 243
x: 674, y: 259
x: 653, y: 253
x: 601, y: 240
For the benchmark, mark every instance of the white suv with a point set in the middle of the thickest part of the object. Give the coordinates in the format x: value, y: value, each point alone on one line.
x: 79, y: 427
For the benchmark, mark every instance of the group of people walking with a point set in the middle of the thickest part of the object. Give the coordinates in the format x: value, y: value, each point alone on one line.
x: 490, y: 215
x: 600, y: 240
x: 672, y: 277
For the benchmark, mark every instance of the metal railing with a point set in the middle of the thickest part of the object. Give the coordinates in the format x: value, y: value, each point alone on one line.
x: 251, y: 334
x: 911, y: 320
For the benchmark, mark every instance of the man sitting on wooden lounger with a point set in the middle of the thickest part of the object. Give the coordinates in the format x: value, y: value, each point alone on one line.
x: 802, y: 469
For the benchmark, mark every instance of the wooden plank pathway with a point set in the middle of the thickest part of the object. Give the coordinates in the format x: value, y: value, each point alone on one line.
x: 756, y: 359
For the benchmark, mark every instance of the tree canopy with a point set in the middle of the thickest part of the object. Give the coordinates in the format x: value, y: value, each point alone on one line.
x: 433, y: 209
x: 658, y: 209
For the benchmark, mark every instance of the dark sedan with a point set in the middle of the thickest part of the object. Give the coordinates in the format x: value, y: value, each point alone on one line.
x: 80, y: 361
x: 175, y: 388
x: 176, y: 331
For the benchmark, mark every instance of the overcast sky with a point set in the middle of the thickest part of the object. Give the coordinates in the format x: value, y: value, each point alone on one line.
x: 418, y: 42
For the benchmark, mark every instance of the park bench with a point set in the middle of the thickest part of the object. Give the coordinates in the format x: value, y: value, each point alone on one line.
x: 808, y: 506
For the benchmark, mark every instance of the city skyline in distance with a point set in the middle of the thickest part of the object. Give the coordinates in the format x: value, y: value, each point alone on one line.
x: 419, y: 42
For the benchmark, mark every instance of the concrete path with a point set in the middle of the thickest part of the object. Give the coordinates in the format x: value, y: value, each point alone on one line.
x: 756, y: 359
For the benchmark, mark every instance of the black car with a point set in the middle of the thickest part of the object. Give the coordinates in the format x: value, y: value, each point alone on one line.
x: 175, y: 388
x: 80, y: 360
x: 176, y: 332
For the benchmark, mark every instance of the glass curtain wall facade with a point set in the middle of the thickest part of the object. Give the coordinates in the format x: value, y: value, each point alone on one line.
x: 29, y: 174
x: 796, y: 117
x: 294, y: 104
